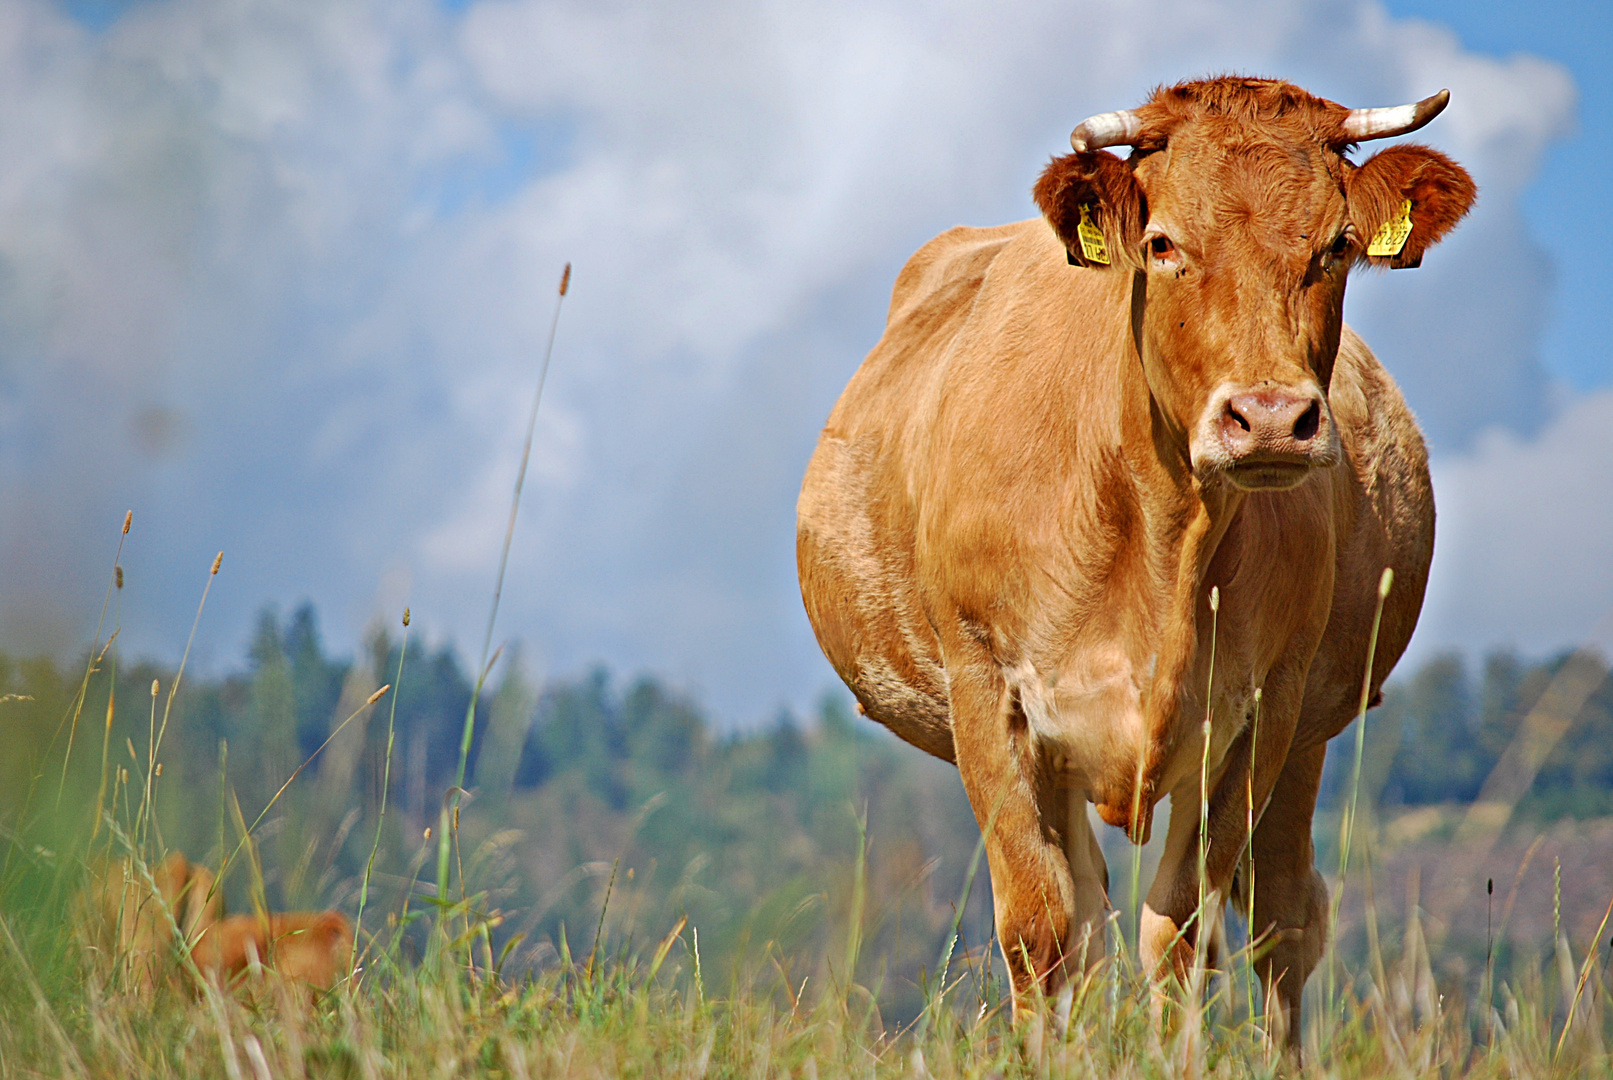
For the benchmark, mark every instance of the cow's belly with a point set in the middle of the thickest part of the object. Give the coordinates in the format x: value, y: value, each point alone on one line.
x: 857, y: 581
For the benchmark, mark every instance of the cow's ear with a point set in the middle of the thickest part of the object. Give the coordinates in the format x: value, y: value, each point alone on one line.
x: 1095, y: 205
x: 1407, y: 185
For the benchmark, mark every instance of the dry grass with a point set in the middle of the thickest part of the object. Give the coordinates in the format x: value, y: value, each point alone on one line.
x: 652, y: 1009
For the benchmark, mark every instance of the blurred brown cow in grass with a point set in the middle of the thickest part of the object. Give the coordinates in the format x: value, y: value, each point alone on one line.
x: 313, y: 947
x: 131, y: 913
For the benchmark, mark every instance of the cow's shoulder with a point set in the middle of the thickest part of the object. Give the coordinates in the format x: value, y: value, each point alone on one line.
x: 949, y: 269
x: 894, y: 391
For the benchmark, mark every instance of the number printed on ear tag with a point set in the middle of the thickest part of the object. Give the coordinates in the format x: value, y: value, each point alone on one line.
x: 1391, y: 238
x: 1092, y: 245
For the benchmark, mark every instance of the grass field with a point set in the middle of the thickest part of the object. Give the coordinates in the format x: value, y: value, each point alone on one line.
x: 436, y: 994
x: 648, y: 1009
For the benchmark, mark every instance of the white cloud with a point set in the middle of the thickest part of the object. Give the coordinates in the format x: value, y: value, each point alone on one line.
x: 325, y: 239
x: 1524, y: 556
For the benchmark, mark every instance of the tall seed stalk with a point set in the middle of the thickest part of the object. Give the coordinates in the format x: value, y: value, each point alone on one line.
x: 451, y: 806
x: 94, y: 660
x: 1347, y: 824
x: 386, y: 786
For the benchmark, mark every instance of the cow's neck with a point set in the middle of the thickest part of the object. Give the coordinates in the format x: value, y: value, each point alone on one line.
x: 1163, y: 464
x: 1184, y: 523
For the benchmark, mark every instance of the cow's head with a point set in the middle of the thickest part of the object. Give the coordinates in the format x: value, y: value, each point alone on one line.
x: 1240, y: 216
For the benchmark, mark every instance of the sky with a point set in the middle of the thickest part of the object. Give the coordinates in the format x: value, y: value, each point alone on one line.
x: 277, y: 276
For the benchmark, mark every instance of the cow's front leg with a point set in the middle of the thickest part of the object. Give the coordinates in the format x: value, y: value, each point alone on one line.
x: 1170, y: 923
x: 1024, y: 819
x: 1241, y: 786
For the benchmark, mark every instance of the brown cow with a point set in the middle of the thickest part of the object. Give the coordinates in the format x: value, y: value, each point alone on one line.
x: 129, y: 920
x: 1070, y: 438
x: 313, y: 947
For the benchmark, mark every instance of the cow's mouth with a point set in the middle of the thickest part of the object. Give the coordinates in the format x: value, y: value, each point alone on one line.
x: 1277, y: 474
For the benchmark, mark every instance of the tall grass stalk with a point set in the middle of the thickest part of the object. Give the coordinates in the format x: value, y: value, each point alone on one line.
x: 386, y: 787
x: 156, y: 733
x: 1347, y: 824
x: 944, y: 963
x: 246, y: 835
x: 1584, y: 976
x: 1249, y: 852
x: 115, y: 583
x: 1204, y: 765
x: 599, y: 928
x: 1556, y: 897
x: 859, y: 892
x: 106, y: 734
x: 151, y: 768
x: 184, y: 657
x: 469, y: 730
x: 1347, y: 831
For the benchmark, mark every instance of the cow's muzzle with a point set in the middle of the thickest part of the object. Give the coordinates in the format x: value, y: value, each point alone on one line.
x: 1271, y: 437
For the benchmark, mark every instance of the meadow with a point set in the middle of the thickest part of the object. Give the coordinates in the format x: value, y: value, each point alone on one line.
x: 587, y: 880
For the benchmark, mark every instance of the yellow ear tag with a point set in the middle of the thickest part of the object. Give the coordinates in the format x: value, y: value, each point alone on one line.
x: 1091, y: 237
x: 1391, y: 239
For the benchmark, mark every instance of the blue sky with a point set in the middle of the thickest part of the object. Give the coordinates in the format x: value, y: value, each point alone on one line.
x: 276, y: 275
x: 1567, y: 206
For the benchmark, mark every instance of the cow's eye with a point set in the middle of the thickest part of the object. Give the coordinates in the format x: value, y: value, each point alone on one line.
x: 1340, y: 246
x: 1162, y: 254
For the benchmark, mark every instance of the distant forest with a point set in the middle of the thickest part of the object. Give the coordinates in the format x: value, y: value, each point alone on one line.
x: 1443, y: 726
x: 589, y: 793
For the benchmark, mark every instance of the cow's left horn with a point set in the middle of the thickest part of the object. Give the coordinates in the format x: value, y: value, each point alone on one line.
x: 1106, y: 129
x: 1364, y: 124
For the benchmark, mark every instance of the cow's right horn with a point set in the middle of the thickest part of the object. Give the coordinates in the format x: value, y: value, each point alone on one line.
x: 1106, y: 129
x: 1364, y: 124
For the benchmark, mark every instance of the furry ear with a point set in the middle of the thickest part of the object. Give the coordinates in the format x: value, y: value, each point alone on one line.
x: 1103, y: 185
x: 1440, y: 191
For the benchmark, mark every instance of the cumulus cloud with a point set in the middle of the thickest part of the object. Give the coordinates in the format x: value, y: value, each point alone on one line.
x: 277, y: 275
x: 1525, y: 551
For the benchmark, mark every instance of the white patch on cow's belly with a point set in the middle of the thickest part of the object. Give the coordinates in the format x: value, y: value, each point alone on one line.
x: 1088, y: 717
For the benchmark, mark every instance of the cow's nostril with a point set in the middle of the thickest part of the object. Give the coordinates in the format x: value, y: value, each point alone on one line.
x: 1307, y: 425
x: 1238, y: 416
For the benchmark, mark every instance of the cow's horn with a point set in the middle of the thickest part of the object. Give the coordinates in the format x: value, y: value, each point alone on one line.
x: 1364, y: 124
x: 1106, y: 129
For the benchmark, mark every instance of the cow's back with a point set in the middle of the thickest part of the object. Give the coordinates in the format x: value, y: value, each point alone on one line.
x: 855, y: 518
